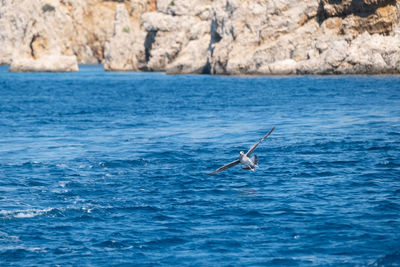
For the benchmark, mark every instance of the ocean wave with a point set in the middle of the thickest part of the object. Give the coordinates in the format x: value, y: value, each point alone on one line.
x: 29, y: 213
x: 74, y: 211
x: 20, y: 250
x: 123, y: 163
x: 6, y: 237
x: 166, y: 241
x: 112, y: 244
x: 25, y: 164
x: 392, y: 259
x: 127, y: 180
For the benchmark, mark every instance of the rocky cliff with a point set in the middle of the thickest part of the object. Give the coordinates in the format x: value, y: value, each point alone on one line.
x: 206, y: 36
x: 33, y: 31
x: 300, y: 37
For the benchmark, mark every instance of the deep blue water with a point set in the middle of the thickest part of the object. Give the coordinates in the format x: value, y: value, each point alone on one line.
x: 111, y: 168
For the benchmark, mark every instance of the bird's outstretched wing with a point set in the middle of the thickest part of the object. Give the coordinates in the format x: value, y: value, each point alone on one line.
x: 251, y: 150
x: 226, y: 166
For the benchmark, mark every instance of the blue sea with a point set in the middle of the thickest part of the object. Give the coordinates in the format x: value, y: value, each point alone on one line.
x: 104, y: 169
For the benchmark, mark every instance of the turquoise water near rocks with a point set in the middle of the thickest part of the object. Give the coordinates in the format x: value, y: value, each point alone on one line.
x: 111, y: 168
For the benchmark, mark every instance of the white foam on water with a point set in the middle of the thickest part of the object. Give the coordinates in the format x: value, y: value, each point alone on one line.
x: 63, y: 183
x: 30, y: 213
x: 14, y: 164
x: 62, y: 165
x: 61, y: 191
x: 7, y: 237
x: 30, y: 249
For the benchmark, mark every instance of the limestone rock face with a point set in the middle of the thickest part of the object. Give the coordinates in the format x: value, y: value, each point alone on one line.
x: 281, y: 37
x: 35, y: 46
x: 374, y: 16
x: 72, y: 27
x: 304, y: 37
x: 178, y: 36
x: 119, y: 50
x: 192, y: 58
x: 263, y: 37
x: 45, y: 64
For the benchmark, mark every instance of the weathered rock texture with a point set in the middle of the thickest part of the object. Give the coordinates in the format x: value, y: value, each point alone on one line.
x: 32, y: 29
x: 178, y: 36
x: 289, y: 37
x: 207, y: 36
x: 53, y: 63
x: 118, y: 51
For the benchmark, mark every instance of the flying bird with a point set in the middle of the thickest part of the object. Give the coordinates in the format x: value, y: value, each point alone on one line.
x: 247, y: 162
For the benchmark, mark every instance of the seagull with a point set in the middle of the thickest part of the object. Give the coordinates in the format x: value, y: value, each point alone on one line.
x: 249, y: 164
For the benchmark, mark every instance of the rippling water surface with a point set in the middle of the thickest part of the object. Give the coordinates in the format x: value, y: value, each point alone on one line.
x: 111, y: 168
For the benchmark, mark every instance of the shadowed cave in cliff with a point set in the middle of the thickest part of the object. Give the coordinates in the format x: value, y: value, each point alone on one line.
x: 366, y: 10
x: 343, y: 8
x: 148, y: 43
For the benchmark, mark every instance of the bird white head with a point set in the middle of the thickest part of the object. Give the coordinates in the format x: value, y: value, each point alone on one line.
x: 241, y: 153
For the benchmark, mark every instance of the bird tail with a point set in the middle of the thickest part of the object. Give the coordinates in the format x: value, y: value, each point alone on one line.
x: 255, y: 160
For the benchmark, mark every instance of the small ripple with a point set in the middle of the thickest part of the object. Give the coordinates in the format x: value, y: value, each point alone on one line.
x: 6, y: 237
x: 282, y: 262
x: 162, y: 218
x: 27, y: 164
x: 222, y: 244
x: 19, y: 252
x: 384, y: 148
x: 388, y: 164
x: 111, y: 244
x: 387, y: 260
x: 325, y: 174
x: 33, y: 183
x: 301, y: 175
x: 343, y: 144
x: 139, y: 207
x: 166, y: 241
x: 386, y: 205
x: 334, y: 163
x: 253, y: 213
x: 123, y: 163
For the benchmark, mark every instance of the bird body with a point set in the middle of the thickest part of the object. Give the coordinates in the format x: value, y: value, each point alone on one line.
x: 248, y: 163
